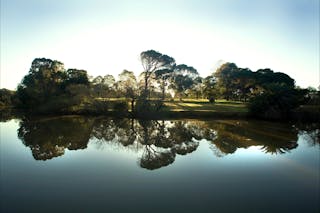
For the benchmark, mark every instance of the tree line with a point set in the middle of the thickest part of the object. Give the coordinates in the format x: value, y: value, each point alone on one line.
x: 49, y: 87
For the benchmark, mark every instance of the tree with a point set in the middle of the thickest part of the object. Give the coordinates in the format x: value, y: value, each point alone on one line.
x: 209, y: 87
x: 243, y: 82
x: 98, y: 86
x: 75, y: 76
x: 152, y: 61
x: 197, y: 87
x: 163, y: 77
x: 39, y: 63
x: 266, y: 77
x: 277, y: 102
x: 183, y: 78
x: 97, y: 80
x: 109, y: 81
x: 186, y: 70
x: 128, y: 86
x: 48, y: 88
x: 225, y: 75
x: 45, y: 79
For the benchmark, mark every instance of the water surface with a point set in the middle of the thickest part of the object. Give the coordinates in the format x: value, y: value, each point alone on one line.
x: 86, y: 164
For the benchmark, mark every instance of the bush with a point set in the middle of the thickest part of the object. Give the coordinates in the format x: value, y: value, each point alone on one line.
x: 211, y: 99
x: 147, y: 106
x: 277, y: 104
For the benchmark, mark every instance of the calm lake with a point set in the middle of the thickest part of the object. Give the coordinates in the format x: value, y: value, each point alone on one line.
x: 90, y: 164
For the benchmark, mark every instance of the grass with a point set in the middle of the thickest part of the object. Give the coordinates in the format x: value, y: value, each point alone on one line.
x: 195, y: 105
x: 187, y: 108
x: 202, y: 105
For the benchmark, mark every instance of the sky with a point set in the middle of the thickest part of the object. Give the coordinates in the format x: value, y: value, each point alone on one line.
x: 107, y: 36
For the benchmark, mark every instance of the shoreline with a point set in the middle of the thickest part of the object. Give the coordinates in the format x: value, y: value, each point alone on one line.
x: 303, y: 116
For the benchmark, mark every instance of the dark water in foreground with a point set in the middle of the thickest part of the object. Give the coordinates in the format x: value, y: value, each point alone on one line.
x: 83, y: 164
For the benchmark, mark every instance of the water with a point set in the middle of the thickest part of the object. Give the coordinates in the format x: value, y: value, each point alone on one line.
x: 86, y: 164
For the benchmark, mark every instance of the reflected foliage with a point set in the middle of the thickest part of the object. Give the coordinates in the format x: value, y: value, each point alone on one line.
x: 158, y: 143
x: 48, y: 138
x: 310, y: 133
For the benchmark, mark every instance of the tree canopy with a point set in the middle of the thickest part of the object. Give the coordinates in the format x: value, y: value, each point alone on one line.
x: 48, y: 86
x: 153, y: 61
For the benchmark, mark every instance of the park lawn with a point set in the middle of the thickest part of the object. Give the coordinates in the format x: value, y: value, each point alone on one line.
x: 204, y: 105
x: 195, y: 105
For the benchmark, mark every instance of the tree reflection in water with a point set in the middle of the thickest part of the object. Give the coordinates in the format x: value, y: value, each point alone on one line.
x: 49, y: 137
x: 159, y: 142
x: 310, y: 133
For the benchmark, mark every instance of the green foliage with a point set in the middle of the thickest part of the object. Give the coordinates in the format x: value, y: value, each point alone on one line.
x: 184, y: 70
x: 45, y: 79
x: 276, y: 103
x: 224, y: 76
x: 182, y: 83
x: 7, y: 98
x: 127, y: 84
x: 148, y: 106
x: 49, y: 88
x: 49, y: 137
x: 163, y: 77
x: 184, y: 79
x: 241, y: 83
x: 265, y: 77
x: 75, y: 76
x: 152, y: 61
x: 210, y: 87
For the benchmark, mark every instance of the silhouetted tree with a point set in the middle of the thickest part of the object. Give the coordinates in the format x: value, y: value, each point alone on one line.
x: 152, y: 61
x: 128, y: 86
x: 75, y: 76
x: 277, y: 102
x: 45, y: 79
x: 209, y: 87
x: 109, y: 81
x: 196, y: 90
x: 152, y: 159
x: 183, y: 78
x: 163, y: 77
x: 224, y: 76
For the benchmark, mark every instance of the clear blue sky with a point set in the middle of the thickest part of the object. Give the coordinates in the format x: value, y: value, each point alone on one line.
x: 107, y: 36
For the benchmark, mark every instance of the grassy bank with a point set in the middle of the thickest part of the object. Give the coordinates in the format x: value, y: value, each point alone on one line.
x: 202, y: 105
x: 172, y: 109
x: 199, y: 108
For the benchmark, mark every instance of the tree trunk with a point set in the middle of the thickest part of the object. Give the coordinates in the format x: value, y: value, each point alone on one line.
x: 145, y: 86
x: 163, y: 90
x: 132, y: 105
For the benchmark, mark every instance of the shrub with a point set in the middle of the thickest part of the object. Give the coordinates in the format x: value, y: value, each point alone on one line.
x: 276, y: 104
x: 211, y: 99
x: 146, y: 106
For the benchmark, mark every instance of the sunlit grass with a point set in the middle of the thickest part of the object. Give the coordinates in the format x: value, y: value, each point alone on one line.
x: 204, y: 105
x: 195, y: 105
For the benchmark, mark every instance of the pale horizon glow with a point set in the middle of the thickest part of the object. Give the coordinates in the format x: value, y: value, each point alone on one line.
x: 106, y: 37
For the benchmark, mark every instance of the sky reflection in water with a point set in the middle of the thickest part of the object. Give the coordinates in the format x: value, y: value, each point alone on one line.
x: 89, y: 164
